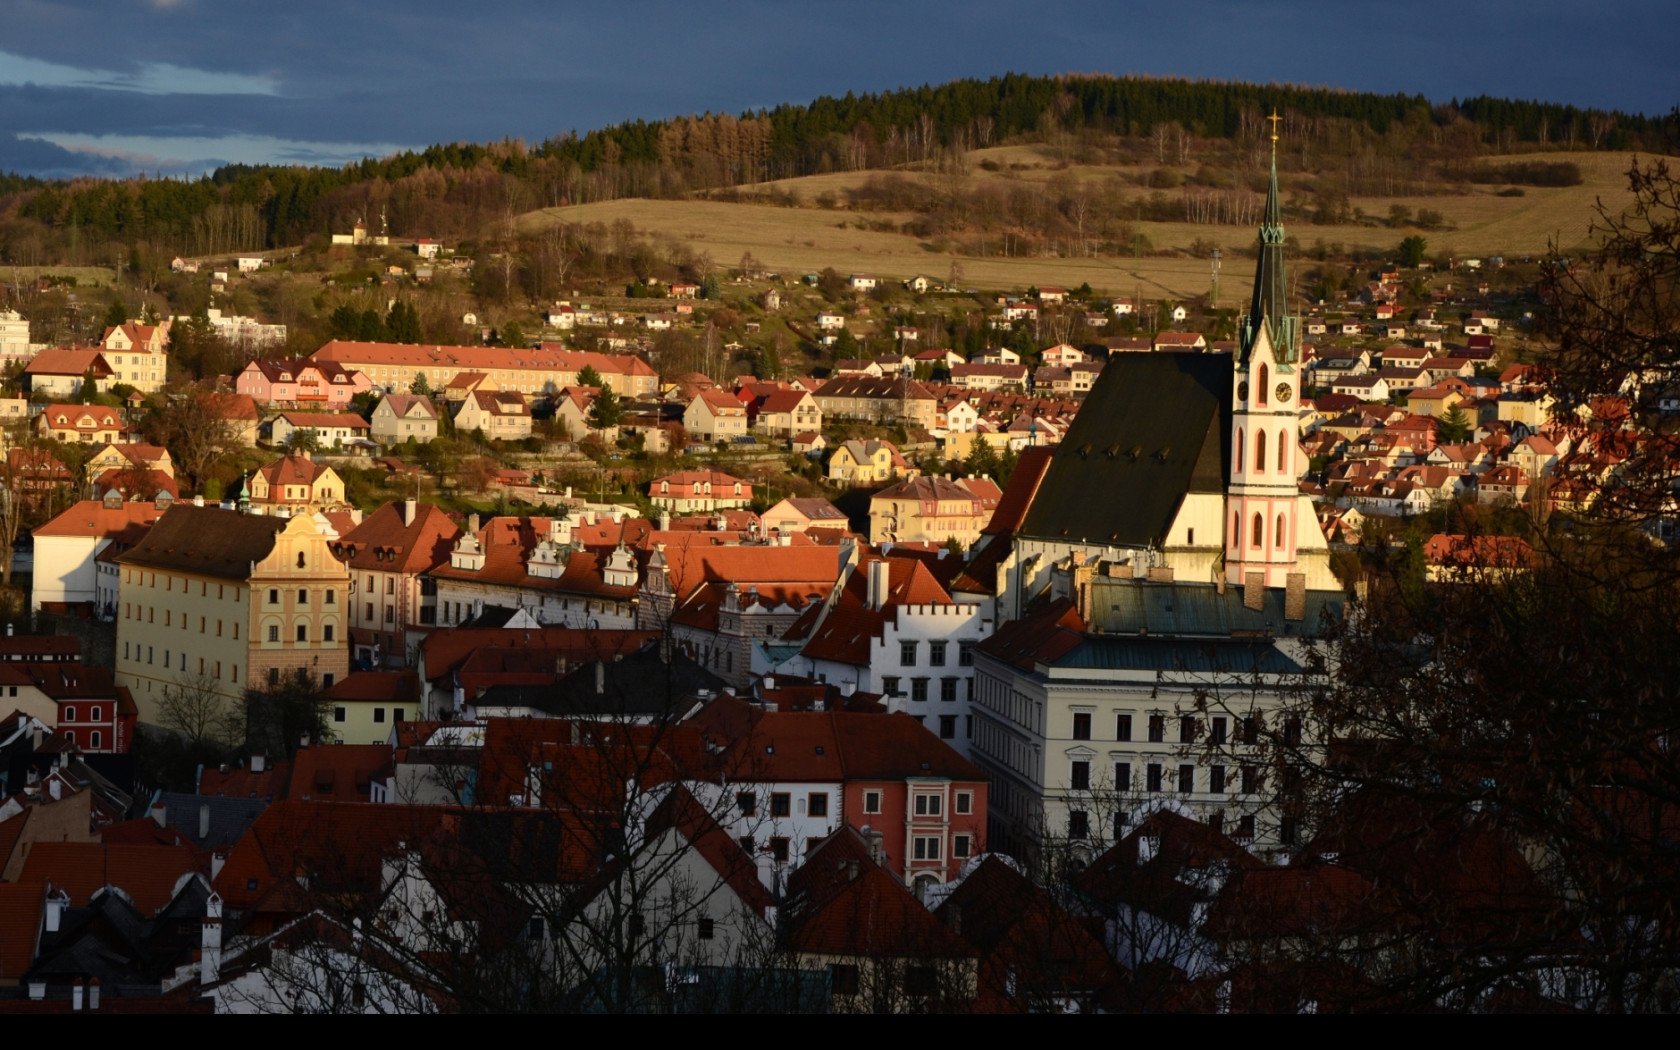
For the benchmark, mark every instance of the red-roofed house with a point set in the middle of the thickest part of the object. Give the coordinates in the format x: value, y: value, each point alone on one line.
x: 80, y: 424
x: 932, y: 509
x: 893, y: 629
x: 296, y: 483
x: 502, y: 415
x: 788, y: 412
x: 690, y: 491
x: 403, y: 417
x: 388, y: 555
x: 66, y: 546
x: 715, y: 415
x: 59, y: 373
x: 304, y: 383
x: 138, y: 355
x: 331, y: 429
x: 531, y: 565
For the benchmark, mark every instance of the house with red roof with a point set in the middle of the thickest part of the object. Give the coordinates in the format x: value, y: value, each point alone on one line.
x: 893, y: 629
x: 388, y: 554
x: 295, y: 483
x: 715, y: 415
x: 785, y: 413
x: 530, y: 567
x: 58, y: 373
x: 81, y: 424
x: 722, y: 602
x: 501, y: 415
x: 688, y: 491
x: 301, y: 383
x: 932, y: 509
x: 66, y: 546
x: 403, y: 417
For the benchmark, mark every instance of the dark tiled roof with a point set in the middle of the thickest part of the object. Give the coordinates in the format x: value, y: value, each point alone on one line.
x: 1154, y: 427
x: 1129, y: 605
x: 208, y: 541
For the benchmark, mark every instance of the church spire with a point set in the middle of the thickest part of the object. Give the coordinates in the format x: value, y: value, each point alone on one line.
x: 1269, y: 309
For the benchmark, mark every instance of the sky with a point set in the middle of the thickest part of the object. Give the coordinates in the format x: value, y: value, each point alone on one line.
x: 111, y: 87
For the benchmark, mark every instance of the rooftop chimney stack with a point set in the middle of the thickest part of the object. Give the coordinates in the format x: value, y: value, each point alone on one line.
x: 1254, y: 591
x: 409, y: 507
x: 1295, y: 596
x: 880, y: 575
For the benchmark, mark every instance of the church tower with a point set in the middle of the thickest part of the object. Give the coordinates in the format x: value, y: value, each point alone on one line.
x: 1263, y: 488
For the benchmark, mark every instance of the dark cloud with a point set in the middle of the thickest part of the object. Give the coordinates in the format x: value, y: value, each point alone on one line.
x: 425, y: 71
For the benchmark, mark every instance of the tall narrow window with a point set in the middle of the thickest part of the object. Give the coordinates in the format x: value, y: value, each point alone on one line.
x: 1259, y: 536
x: 1260, y: 452
x: 1265, y: 381
x: 1283, y: 451
x: 1239, y: 460
x: 1278, y: 536
x: 1236, y: 529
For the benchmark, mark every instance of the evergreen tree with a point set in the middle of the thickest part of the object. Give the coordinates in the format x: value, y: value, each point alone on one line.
x: 769, y: 363
x: 589, y: 377
x: 402, y: 324
x: 371, y: 327
x: 982, y: 458
x: 116, y: 314
x: 1006, y: 466
x: 88, y: 386
x: 1412, y: 250
x: 1453, y: 428
x: 420, y: 387
x: 512, y: 335
x: 606, y: 411
x: 345, y: 323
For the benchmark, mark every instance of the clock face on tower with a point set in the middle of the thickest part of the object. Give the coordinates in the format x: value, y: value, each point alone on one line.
x: 1242, y: 391
x: 1282, y: 392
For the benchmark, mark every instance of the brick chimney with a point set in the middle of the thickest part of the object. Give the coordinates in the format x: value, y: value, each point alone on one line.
x: 1295, y: 596
x: 1254, y: 591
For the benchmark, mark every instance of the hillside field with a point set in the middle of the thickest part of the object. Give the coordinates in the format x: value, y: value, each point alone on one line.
x: 810, y: 237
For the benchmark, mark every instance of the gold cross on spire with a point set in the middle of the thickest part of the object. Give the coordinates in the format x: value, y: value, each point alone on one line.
x: 1274, y: 118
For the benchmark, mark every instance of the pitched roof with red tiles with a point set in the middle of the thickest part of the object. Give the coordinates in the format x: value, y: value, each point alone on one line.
x: 480, y: 358
x: 325, y: 420
x: 1044, y: 634
x: 92, y: 518
x: 388, y: 686
x: 841, y: 903
x: 338, y: 773
x: 384, y: 544
x: 54, y: 362
x: 1017, y: 496
x: 799, y: 570
x: 242, y: 782
x: 445, y: 650
x: 508, y: 543
x: 241, y: 407
x: 22, y: 907
x: 149, y: 874
x: 846, y: 631
x: 403, y: 404
x: 292, y: 470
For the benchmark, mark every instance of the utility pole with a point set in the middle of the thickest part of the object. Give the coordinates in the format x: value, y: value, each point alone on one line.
x: 1213, y: 301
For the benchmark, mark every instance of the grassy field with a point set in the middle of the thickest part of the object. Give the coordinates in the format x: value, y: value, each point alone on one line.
x: 86, y: 276
x: 808, y: 238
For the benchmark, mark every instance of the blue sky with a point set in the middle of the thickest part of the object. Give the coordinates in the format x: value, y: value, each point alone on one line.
x: 114, y: 86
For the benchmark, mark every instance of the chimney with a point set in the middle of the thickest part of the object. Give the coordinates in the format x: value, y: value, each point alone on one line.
x: 1147, y: 847
x: 198, y: 501
x: 57, y: 901
x: 880, y: 577
x: 1295, y: 596
x: 600, y: 677
x: 1160, y: 574
x: 409, y: 507
x: 160, y: 814
x: 93, y: 994
x: 664, y: 521
x: 204, y: 820
x: 1254, y: 591
x: 56, y: 786
x: 472, y: 524
x: 258, y: 763
x: 769, y: 683
x: 877, y: 852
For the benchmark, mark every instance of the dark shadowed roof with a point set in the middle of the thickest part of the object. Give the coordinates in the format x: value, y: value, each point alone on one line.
x: 206, y: 540
x: 1154, y: 427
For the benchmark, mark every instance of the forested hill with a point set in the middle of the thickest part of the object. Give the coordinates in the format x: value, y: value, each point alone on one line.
x: 452, y: 190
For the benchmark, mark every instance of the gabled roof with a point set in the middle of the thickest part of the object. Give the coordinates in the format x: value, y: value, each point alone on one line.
x: 339, y: 773
x: 404, y: 406
x: 68, y: 363
x: 384, y: 544
x: 206, y: 540
x: 841, y: 903
x: 91, y: 518
x: 1154, y: 428
x: 324, y: 420
x: 292, y: 470
x: 148, y: 874
x: 22, y: 907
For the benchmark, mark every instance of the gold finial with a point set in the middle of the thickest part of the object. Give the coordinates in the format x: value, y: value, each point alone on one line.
x: 1274, y: 118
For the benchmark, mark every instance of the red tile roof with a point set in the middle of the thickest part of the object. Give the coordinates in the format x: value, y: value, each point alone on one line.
x: 323, y: 420
x: 22, y: 908
x: 382, y: 542
x: 91, y: 518
x: 338, y: 773
x: 148, y: 874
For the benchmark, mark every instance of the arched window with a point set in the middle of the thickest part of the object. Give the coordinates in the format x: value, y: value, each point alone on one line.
x: 1265, y: 381
x: 95, y: 740
x: 1260, y: 452
x: 1258, y: 538
x: 1239, y: 460
x: 1283, y: 452
x: 1236, y: 529
x: 300, y: 559
x: 1279, y: 535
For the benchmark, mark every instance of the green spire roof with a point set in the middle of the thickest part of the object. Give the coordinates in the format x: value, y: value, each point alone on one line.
x: 1270, y: 305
